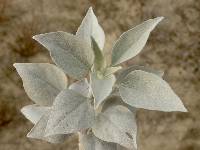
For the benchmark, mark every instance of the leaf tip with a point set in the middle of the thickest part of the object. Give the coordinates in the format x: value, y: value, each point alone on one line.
x: 91, y: 12
x: 37, y: 37
x: 90, y: 9
x: 15, y: 65
x: 23, y: 110
x: 158, y: 19
x: 184, y: 109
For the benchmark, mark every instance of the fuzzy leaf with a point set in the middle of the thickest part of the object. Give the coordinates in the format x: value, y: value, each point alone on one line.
x: 101, y: 87
x: 114, y: 100
x: 146, y: 90
x: 88, y: 141
x: 132, y: 42
x: 38, y: 132
x: 69, y: 52
x: 82, y: 87
x: 111, y: 70
x: 34, y: 112
x: 116, y: 124
x: 124, y: 72
x: 42, y: 81
x: 99, y: 61
x: 90, y: 27
x: 70, y: 113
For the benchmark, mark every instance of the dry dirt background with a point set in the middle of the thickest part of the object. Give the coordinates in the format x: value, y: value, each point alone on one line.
x: 173, y: 47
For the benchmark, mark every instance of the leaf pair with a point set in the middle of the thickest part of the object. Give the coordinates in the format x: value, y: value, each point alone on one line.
x: 70, y: 112
x: 42, y: 82
x: 73, y: 53
x: 128, y: 45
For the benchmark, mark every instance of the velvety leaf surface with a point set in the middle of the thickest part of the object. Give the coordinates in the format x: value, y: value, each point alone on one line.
x: 99, y: 61
x: 124, y: 72
x: 111, y: 70
x: 132, y: 42
x: 101, y: 87
x: 42, y: 81
x: 88, y: 141
x: 114, y: 100
x: 91, y: 28
x: 34, y: 112
x: 82, y: 87
x: 146, y: 90
x: 38, y: 132
x: 116, y: 124
x: 69, y: 52
x: 71, y: 112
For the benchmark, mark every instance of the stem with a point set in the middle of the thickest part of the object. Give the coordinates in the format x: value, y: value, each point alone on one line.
x: 81, y: 136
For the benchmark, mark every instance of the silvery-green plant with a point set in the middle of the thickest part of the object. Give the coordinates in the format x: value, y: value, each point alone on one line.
x: 100, y: 106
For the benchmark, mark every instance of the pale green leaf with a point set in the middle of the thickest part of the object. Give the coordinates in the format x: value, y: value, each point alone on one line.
x: 114, y: 100
x: 87, y: 141
x: 124, y: 72
x: 71, y: 112
x: 101, y: 87
x: 82, y: 87
x: 111, y: 70
x: 146, y: 90
x: 99, y: 61
x: 132, y: 42
x: 90, y: 27
x: 42, y: 81
x: 69, y: 52
x: 34, y: 112
x: 38, y: 132
x: 117, y: 124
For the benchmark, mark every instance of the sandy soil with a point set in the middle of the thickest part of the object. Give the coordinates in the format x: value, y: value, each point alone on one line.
x: 173, y: 47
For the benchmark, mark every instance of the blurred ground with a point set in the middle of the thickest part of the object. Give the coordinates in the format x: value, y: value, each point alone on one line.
x: 173, y: 47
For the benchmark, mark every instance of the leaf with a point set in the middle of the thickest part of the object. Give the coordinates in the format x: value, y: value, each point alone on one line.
x: 132, y: 42
x: 111, y: 70
x: 34, y: 112
x: 69, y: 52
x: 124, y: 72
x: 145, y: 90
x: 90, y: 27
x: 38, y: 132
x: 101, y: 87
x: 117, y: 124
x: 114, y: 100
x: 71, y: 112
x: 42, y: 81
x: 82, y: 87
x: 99, y: 61
x: 87, y: 141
